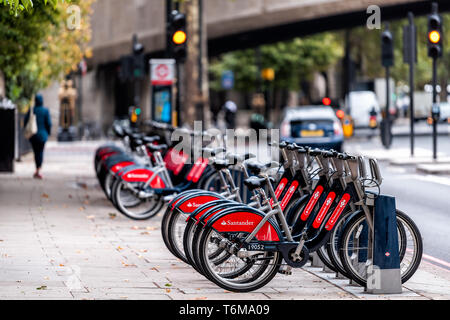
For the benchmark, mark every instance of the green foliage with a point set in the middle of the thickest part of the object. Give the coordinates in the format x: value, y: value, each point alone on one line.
x: 36, y: 47
x: 293, y: 61
x: 17, y: 6
x: 367, y: 52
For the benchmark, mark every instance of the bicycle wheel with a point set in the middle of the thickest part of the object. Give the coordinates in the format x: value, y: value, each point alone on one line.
x: 323, y: 256
x: 353, y: 247
x: 332, y: 246
x: 175, y: 232
x: 131, y: 205
x: 264, y: 265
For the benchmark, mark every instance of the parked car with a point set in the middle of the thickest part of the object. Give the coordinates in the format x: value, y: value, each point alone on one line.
x: 314, y: 126
x: 363, y: 107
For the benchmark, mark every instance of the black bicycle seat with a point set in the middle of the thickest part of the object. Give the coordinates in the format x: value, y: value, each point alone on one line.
x: 253, y: 183
x: 135, y: 143
x: 236, y: 158
x: 256, y: 168
x: 151, y: 139
x: 283, y: 144
x: 157, y: 147
x: 315, y: 152
x: 213, y: 152
x: 302, y: 150
x: 219, y: 164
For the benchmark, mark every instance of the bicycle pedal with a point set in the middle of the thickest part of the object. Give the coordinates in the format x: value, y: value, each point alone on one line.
x: 286, y: 270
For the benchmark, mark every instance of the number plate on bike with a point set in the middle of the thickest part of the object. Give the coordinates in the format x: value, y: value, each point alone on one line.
x: 256, y: 247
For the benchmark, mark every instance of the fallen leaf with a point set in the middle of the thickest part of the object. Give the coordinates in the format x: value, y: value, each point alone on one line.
x: 82, y: 185
x: 90, y: 217
x: 112, y: 215
x: 145, y: 232
x: 61, y: 265
x: 81, y: 208
x: 168, y: 290
x: 151, y: 228
x: 119, y: 248
x: 86, y: 202
x: 143, y: 250
x: 135, y: 227
x: 200, y: 298
x: 44, y: 195
x: 168, y: 285
x: 41, y: 288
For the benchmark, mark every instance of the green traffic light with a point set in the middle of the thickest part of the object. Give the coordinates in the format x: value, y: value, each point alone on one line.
x: 138, y: 111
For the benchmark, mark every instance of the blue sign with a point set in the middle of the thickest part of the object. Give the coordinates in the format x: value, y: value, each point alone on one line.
x: 228, y: 80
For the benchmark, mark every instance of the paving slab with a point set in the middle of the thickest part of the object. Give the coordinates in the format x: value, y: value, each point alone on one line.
x: 58, y: 240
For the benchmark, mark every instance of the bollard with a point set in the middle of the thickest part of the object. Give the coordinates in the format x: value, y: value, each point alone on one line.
x: 384, y: 276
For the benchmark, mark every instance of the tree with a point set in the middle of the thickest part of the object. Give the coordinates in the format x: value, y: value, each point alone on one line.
x: 294, y: 61
x: 37, y: 45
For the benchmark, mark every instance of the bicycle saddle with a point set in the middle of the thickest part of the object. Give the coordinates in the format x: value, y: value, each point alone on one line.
x: 253, y: 183
x: 135, y: 143
x: 212, y: 152
x: 219, y: 164
x: 236, y: 158
x: 157, y: 147
x: 151, y: 139
x: 256, y: 168
x: 315, y: 152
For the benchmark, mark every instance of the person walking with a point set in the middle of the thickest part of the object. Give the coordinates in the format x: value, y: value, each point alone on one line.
x: 44, y: 128
x: 230, y: 109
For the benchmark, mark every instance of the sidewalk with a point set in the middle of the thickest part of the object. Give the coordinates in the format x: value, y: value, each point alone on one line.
x: 61, y: 239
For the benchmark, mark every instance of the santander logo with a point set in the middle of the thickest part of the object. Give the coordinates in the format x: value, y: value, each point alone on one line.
x: 337, y: 212
x: 137, y: 176
x: 193, y: 204
x: 237, y: 223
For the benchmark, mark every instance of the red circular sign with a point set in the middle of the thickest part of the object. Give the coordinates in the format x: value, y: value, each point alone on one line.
x: 162, y: 71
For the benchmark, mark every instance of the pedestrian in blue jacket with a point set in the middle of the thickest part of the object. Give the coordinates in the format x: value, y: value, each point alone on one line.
x: 44, y: 125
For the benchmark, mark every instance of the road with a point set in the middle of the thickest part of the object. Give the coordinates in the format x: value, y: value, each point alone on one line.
x: 425, y: 198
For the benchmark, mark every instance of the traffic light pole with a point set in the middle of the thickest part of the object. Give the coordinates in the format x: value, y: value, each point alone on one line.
x: 388, y: 105
x: 412, y: 61
x: 434, y: 102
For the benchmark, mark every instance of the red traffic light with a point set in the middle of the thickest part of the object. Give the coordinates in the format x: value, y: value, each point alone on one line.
x: 340, y: 114
x: 326, y: 101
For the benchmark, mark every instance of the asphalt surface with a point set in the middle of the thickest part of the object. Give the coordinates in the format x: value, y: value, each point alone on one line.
x: 425, y: 198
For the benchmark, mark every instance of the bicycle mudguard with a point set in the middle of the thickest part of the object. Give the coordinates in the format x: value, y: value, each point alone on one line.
x: 191, y: 202
x: 245, y: 220
x: 120, y: 165
x: 206, y: 211
x: 180, y: 196
x: 141, y: 174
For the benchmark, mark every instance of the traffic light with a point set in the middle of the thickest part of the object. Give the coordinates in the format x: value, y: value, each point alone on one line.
x: 326, y: 101
x: 138, y: 59
x: 435, y: 45
x: 387, y: 49
x: 135, y: 112
x: 177, y: 35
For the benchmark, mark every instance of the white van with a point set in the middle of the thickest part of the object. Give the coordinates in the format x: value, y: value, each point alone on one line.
x: 359, y: 104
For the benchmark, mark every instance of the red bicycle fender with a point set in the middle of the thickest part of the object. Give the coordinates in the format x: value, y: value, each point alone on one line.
x: 121, y: 165
x: 143, y: 175
x: 246, y: 222
x: 190, y: 205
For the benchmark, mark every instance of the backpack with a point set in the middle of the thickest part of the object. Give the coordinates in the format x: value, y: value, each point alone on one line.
x: 31, y: 126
